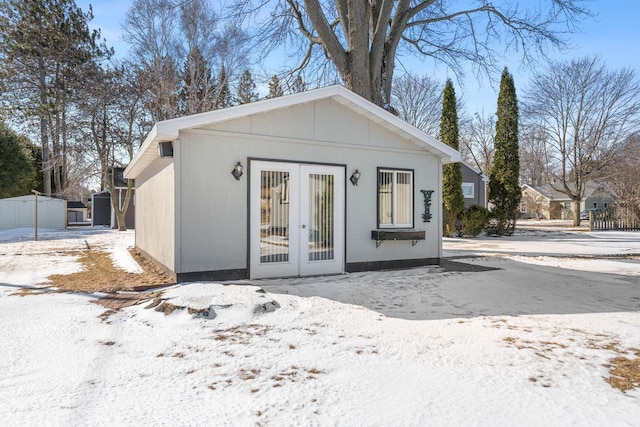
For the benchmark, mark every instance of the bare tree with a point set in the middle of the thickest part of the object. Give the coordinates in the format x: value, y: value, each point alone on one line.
x: 588, y: 112
x: 198, y: 91
x: 418, y: 101
x: 363, y: 39
x: 477, y: 140
x: 535, y: 160
x: 177, y: 44
x: 623, y: 177
x: 115, y: 123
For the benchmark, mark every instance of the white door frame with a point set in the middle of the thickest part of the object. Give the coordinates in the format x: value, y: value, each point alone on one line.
x: 334, y: 265
x: 297, y: 262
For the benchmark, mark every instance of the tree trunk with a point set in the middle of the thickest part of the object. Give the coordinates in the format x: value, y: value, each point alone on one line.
x: 576, y: 212
x: 55, y: 142
x: 115, y: 202
x: 44, y: 131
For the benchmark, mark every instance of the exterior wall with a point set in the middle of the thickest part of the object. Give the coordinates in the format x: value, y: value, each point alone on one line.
x: 597, y: 201
x: 103, y: 212
x: 535, y: 205
x: 471, y: 176
x: 101, y: 209
x: 130, y: 215
x: 213, y: 216
x: 76, y: 215
x: 19, y: 212
x: 155, y: 215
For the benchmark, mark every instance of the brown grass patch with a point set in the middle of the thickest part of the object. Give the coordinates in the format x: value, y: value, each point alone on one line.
x: 248, y: 374
x: 625, y: 373
x: 106, y: 314
x: 100, y: 275
x: 23, y: 292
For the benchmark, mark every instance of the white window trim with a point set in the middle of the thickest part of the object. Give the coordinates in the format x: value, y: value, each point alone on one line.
x: 469, y: 185
x: 523, y: 207
x: 394, y: 200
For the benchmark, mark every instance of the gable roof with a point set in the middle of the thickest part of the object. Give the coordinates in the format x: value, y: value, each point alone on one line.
x: 547, y: 192
x: 591, y: 188
x: 75, y: 205
x: 475, y: 170
x: 168, y: 130
x: 118, y: 177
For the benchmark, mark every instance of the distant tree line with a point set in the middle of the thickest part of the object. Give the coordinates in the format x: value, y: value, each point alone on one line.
x: 62, y: 86
x: 88, y: 110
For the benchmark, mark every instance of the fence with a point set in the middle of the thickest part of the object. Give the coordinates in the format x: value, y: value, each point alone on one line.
x: 621, y: 218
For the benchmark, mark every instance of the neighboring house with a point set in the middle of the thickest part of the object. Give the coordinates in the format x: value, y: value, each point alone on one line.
x: 76, y: 212
x: 474, y: 186
x: 318, y: 182
x: 598, y: 196
x: 19, y: 212
x: 102, y: 211
x: 544, y: 202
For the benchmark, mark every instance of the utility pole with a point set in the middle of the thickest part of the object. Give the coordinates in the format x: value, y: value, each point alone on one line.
x: 37, y: 193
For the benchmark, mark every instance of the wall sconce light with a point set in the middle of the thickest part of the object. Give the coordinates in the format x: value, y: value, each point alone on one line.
x: 355, y: 177
x: 237, y: 171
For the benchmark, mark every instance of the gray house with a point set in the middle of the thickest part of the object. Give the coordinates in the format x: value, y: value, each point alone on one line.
x: 474, y: 186
x: 102, y: 209
x: 545, y: 202
x: 319, y: 182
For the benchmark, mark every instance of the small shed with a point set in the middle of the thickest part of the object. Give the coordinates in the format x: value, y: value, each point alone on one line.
x: 101, y: 208
x: 318, y: 182
x: 19, y: 212
x: 76, y: 213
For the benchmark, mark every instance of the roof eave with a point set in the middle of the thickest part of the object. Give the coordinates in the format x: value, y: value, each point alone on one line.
x: 148, y: 151
x: 169, y: 130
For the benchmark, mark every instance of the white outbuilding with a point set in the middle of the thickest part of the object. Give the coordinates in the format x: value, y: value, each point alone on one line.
x: 20, y: 212
x: 318, y: 182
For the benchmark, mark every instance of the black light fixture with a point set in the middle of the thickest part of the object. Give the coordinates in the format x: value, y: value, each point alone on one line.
x: 355, y: 177
x: 237, y: 171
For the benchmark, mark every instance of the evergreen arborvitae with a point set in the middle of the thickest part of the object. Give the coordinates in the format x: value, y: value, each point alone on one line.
x: 452, y: 197
x: 504, y: 187
x: 246, y: 89
x: 275, y: 90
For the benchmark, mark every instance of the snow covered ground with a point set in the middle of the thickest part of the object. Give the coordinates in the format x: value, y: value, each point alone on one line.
x: 517, y: 335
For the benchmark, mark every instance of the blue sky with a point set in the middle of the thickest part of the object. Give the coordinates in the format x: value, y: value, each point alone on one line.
x: 613, y: 34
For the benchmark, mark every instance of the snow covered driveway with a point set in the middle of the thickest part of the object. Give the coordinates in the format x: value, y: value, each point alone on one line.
x: 514, y: 342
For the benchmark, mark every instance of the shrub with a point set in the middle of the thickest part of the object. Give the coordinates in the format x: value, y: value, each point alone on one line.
x: 474, y: 220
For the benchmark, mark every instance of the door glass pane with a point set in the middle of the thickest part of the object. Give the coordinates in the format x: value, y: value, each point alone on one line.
x: 404, y: 202
x: 321, y: 209
x: 274, y: 216
x: 385, y: 197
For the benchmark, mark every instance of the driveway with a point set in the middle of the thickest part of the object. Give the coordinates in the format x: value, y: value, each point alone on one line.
x: 599, y: 273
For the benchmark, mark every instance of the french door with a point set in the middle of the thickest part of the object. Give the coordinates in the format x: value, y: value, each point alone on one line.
x: 296, y: 219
